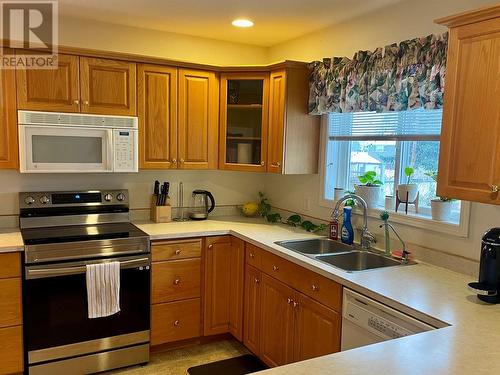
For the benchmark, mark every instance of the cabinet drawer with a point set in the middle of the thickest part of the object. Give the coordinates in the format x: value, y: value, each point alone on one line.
x: 10, y: 265
x: 322, y: 289
x: 176, y: 250
x: 10, y: 302
x: 175, y: 321
x: 253, y: 255
x: 11, y: 350
x: 175, y: 280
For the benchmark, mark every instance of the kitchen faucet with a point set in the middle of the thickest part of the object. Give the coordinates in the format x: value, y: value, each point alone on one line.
x: 366, y: 237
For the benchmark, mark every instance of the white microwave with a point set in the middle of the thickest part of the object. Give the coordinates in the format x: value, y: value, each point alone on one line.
x: 51, y: 142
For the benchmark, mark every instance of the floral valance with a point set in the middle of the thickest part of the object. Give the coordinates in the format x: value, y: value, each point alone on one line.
x: 399, y: 77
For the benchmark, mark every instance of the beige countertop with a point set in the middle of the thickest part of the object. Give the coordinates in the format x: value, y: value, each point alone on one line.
x: 11, y: 240
x: 432, y: 294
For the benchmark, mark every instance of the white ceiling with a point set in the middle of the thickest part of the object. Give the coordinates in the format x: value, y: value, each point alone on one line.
x: 276, y: 21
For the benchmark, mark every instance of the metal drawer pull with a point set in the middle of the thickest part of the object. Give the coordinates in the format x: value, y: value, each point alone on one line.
x: 34, y: 273
x: 177, y: 252
x: 252, y: 255
x: 256, y: 280
x: 315, y: 288
x: 176, y: 323
x: 289, y: 301
x: 494, y: 188
x: 177, y: 281
x: 210, y: 246
x: 295, y: 304
x: 77, y: 102
x: 275, y: 268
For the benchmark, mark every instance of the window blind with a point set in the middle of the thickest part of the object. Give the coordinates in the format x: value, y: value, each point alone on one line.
x: 417, y: 124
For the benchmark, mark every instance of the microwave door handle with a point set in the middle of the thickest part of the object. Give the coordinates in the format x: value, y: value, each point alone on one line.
x: 38, y: 273
x: 110, y: 150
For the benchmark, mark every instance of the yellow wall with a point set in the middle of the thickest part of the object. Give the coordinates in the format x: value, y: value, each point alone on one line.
x: 397, y: 22
x: 109, y: 37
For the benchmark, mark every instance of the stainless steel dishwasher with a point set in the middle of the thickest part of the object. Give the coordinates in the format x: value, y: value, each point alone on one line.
x: 366, y: 321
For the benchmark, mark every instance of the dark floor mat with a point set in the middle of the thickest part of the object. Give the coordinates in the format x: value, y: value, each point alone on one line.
x: 245, y: 364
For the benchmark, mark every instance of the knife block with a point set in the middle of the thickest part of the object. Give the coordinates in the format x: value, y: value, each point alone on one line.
x: 160, y: 214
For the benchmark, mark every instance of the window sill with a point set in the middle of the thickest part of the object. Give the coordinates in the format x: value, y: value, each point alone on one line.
x: 460, y: 229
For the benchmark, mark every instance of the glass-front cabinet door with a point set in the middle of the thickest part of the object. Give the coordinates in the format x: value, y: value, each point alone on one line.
x: 244, y: 121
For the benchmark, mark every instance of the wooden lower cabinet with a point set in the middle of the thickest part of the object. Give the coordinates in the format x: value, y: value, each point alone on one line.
x: 11, y: 350
x: 276, y: 322
x: 251, y: 315
x: 317, y: 330
x: 175, y: 280
x: 175, y: 321
x: 224, y: 264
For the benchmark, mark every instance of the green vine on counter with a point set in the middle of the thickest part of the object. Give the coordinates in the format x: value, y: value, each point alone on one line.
x: 295, y: 220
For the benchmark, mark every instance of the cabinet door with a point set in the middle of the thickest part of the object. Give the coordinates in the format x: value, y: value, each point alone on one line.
x: 50, y: 89
x: 469, y: 164
x: 217, y: 285
x: 317, y: 329
x: 108, y: 86
x: 277, y: 107
x: 244, y: 121
x: 8, y: 120
x: 157, y: 110
x: 198, y: 126
x: 11, y: 350
x: 251, y: 337
x: 237, y: 280
x: 276, y: 322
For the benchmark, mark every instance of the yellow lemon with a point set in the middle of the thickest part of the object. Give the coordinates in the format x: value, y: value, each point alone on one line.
x: 250, y: 209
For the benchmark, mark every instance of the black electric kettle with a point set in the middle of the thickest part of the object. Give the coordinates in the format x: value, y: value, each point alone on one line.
x: 200, y: 208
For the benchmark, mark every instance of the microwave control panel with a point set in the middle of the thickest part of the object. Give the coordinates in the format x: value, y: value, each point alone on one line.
x: 125, y: 149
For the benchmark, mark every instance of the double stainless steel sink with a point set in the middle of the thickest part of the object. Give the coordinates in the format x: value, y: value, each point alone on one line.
x: 346, y: 257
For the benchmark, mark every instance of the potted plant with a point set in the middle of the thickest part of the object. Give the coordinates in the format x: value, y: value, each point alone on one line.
x: 440, y: 206
x: 408, y: 190
x: 370, y: 188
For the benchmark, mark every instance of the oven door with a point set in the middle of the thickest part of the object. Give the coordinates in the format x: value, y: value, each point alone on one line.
x: 56, y: 323
x: 50, y: 149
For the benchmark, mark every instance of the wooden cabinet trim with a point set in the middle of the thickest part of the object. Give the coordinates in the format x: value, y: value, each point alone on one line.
x: 9, y: 154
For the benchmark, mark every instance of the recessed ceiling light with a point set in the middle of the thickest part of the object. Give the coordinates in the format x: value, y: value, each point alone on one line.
x: 241, y: 22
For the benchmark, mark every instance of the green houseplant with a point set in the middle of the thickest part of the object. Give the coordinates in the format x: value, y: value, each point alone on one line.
x: 440, y: 206
x: 408, y: 190
x: 369, y: 188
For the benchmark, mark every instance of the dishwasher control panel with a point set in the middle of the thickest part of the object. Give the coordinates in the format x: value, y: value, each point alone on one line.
x: 387, y: 328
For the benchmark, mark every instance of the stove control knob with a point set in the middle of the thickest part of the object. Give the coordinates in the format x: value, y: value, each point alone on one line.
x: 44, y: 199
x: 29, y: 200
x: 108, y: 197
x: 120, y: 197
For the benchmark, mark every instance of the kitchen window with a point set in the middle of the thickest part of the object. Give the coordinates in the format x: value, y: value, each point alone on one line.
x: 386, y: 143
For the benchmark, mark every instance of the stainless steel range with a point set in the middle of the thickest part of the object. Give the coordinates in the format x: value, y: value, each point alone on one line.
x: 63, y: 232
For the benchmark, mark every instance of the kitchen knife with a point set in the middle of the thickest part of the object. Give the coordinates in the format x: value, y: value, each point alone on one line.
x: 168, y: 188
x: 156, y: 192
x: 162, y: 195
x: 165, y: 188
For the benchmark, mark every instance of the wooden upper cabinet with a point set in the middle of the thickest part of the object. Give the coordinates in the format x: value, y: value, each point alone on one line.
x: 293, y: 144
x: 244, y: 121
x: 157, y: 111
x: 8, y: 120
x: 317, y: 329
x: 55, y: 90
x: 198, y: 104
x: 469, y: 162
x: 108, y: 86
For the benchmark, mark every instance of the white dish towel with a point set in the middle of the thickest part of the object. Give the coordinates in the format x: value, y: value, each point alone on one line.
x: 103, y: 289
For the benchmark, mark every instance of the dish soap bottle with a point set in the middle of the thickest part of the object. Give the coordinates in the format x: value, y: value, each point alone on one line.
x: 347, y: 233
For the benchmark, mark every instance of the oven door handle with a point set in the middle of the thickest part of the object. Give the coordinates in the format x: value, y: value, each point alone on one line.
x: 39, y: 272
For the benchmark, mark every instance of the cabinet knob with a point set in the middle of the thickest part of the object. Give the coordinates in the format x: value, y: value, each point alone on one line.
x: 256, y: 281
x: 177, y: 281
x: 289, y: 301
x: 210, y: 246
x: 315, y: 288
x: 174, y: 161
x: 177, y: 252
x: 295, y: 304
x: 277, y: 164
x: 275, y: 268
x: 86, y: 102
x: 181, y: 160
x: 494, y: 188
x: 176, y: 323
x: 252, y: 255
x: 76, y: 102
x: 262, y: 163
